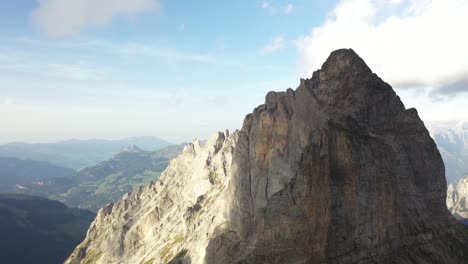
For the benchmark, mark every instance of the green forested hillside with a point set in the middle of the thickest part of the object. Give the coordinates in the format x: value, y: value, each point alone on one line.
x: 38, y: 230
x: 14, y: 171
x: 94, y: 187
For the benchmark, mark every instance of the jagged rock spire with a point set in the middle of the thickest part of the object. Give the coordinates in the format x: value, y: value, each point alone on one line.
x: 336, y: 171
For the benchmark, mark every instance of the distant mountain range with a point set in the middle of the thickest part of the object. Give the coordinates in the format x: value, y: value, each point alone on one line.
x: 78, y: 154
x: 95, y: 186
x: 452, y: 141
x: 37, y: 230
x: 14, y: 172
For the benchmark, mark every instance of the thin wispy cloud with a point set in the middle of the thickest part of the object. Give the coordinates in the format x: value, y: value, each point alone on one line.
x: 60, y: 18
x: 74, y: 72
x: 18, y: 62
x: 289, y: 9
x: 420, y: 44
x: 274, y: 46
x: 131, y: 50
x: 277, y: 8
x: 170, y: 54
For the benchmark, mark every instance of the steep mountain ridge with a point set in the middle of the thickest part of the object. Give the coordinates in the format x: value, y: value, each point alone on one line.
x: 337, y: 171
x: 185, y: 202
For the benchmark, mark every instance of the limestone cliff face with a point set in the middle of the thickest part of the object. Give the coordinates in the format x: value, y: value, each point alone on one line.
x: 169, y: 220
x: 457, y: 198
x: 337, y: 171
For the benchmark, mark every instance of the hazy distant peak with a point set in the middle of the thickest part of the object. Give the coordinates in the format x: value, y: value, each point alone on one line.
x: 451, y: 138
x: 131, y: 149
x: 455, y: 132
x: 85, y: 153
x: 462, y: 125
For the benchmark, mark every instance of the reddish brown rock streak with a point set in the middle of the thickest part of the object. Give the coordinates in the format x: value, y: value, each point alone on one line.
x: 338, y: 171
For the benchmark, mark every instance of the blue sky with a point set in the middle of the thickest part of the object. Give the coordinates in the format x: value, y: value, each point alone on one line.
x: 186, y: 69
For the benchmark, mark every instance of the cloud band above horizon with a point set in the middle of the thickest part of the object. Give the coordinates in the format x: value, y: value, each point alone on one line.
x: 59, y: 18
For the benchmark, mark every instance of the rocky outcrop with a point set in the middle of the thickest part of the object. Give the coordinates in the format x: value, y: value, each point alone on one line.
x: 336, y: 171
x: 167, y: 220
x: 457, y: 198
x: 131, y: 149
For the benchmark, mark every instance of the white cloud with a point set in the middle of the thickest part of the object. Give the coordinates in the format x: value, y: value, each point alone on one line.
x: 289, y: 9
x: 69, y: 17
x: 32, y: 61
x: 274, y: 7
x: 274, y: 46
x: 421, y: 43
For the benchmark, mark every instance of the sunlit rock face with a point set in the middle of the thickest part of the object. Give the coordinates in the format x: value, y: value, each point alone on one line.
x: 457, y: 198
x: 336, y: 171
x: 170, y: 219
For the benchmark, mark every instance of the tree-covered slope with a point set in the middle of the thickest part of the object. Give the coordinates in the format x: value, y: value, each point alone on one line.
x: 38, y: 230
x: 14, y: 172
x: 94, y: 187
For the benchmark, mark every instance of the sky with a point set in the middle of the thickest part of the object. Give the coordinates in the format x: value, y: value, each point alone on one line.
x: 186, y: 69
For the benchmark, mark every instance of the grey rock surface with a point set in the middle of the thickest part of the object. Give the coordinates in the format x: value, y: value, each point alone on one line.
x: 337, y: 171
x: 457, y: 198
x: 168, y: 221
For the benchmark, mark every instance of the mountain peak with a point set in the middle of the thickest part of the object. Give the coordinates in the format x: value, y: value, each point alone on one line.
x: 344, y: 61
x: 334, y: 172
x: 131, y: 149
x: 346, y: 87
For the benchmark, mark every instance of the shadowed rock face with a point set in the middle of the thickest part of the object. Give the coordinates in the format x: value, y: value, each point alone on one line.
x: 337, y: 171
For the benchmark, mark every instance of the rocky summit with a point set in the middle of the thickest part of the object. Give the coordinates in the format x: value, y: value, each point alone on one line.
x: 336, y: 171
x: 457, y: 198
